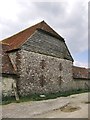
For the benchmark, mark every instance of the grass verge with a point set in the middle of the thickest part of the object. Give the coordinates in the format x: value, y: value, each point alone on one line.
x: 36, y: 97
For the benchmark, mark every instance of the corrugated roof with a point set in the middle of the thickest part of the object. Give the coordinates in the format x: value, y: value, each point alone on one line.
x: 81, y: 73
x: 18, y: 39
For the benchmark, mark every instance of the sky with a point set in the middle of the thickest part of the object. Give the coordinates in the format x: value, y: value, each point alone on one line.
x: 69, y: 18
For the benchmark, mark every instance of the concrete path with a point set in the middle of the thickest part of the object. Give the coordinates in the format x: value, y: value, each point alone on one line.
x: 75, y: 106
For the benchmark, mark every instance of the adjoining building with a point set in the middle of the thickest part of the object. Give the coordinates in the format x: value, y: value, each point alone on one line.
x: 81, y: 78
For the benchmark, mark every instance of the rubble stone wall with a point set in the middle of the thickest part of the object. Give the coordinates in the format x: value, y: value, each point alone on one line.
x: 43, y: 74
x: 80, y: 84
x: 7, y: 89
x: 40, y: 73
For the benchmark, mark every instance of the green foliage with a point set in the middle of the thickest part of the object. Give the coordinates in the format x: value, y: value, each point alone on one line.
x: 36, y: 97
x: 7, y: 100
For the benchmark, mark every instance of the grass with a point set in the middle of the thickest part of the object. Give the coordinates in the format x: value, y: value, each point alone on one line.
x: 36, y: 97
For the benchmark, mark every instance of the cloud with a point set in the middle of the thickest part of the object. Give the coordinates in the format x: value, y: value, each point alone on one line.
x: 68, y: 18
x: 81, y: 64
x: 89, y: 25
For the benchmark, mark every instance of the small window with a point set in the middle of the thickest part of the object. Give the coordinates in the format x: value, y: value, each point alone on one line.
x: 42, y: 64
x: 60, y: 67
x: 42, y: 80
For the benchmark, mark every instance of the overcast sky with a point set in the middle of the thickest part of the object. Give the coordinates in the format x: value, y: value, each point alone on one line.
x: 69, y: 18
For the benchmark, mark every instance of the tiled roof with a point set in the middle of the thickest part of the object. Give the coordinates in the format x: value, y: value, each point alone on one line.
x: 4, y: 46
x: 18, y: 39
x: 6, y: 64
x: 81, y: 73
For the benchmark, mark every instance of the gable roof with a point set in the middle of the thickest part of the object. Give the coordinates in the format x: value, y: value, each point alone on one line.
x: 81, y: 73
x: 18, y: 39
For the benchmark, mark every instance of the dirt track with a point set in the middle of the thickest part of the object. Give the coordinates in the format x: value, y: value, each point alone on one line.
x: 75, y: 106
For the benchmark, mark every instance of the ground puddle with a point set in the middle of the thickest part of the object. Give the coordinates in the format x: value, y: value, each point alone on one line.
x: 69, y: 108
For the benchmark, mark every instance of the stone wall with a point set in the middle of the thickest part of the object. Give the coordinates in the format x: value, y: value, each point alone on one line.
x: 80, y: 84
x: 0, y: 90
x: 7, y: 82
x: 74, y: 84
x: 43, y: 74
x: 46, y: 44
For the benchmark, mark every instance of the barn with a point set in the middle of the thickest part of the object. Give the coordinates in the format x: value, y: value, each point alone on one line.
x: 35, y: 60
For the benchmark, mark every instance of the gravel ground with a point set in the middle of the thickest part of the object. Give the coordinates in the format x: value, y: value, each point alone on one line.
x: 74, y: 106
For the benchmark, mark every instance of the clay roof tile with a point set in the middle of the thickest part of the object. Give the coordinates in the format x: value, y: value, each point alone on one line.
x: 80, y: 73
